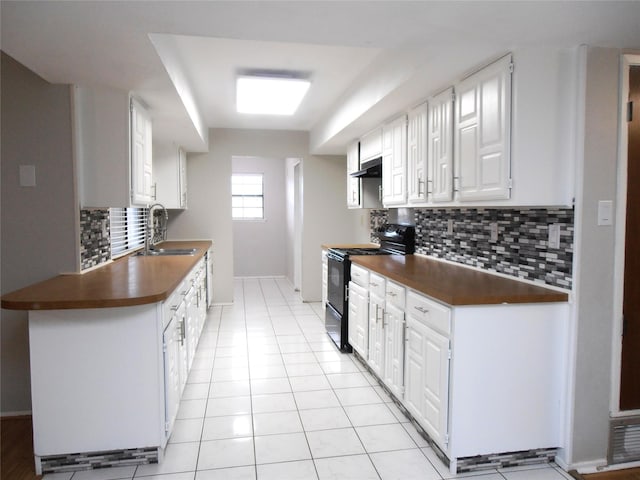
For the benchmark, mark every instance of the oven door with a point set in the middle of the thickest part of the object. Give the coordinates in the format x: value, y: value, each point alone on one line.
x: 337, y: 281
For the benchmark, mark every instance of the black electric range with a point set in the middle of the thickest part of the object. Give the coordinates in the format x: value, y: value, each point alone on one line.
x: 394, y: 240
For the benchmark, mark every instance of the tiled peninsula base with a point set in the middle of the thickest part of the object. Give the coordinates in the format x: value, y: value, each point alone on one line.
x: 93, y: 460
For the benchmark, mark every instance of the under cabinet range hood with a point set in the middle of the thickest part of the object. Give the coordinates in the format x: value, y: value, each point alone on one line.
x: 370, y: 169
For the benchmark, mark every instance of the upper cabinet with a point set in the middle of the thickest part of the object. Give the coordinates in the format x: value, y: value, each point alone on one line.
x: 482, y: 133
x: 502, y: 136
x: 371, y: 145
x: 440, y: 149
x: 418, y: 179
x: 353, y: 183
x: 141, y: 156
x: 112, y: 138
x: 394, y: 162
x: 170, y: 176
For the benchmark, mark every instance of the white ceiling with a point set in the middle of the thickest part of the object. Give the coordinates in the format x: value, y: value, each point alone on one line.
x: 368, y: 59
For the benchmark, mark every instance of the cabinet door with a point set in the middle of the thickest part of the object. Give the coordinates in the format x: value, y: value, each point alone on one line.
x: 376, y: 335
x: 436, y: 386
x: 427, y: 379
x: 172, y: 387
x: 417, y: 156
x: 353, y: 183
x: 183, y: 359
x: 182, y: 178
x: 440, y: 151
x: 371, y: 145
x: 358, y: 327
x: 482, y: 133
x: 325, y: 273
x: 141, y: 155
x: 394, y: 162
x: 394, y: 350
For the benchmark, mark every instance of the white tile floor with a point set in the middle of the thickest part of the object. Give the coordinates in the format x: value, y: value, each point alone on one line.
x: 270, y: 397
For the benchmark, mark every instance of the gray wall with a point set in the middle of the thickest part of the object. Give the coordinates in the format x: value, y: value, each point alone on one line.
x: 260, y: 246
x: 209, y: 199
x: 38, y: 233
x: 594, y: 267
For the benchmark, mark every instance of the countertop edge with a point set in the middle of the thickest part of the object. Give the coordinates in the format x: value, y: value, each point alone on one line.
x: 460, y: 300
x: 9, y: 303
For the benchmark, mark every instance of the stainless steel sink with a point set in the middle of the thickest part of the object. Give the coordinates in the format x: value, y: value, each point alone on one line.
x: 168, y: 251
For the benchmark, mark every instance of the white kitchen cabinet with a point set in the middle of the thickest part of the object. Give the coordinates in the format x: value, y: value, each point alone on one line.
x: 371, y: 145
x: 482, y: 132
x: 394, y: 350
x: 170, y: 176
x: 375, y: 357
x: 133, y: 362
x: 141, y: 155
x: 112, y: 141
x: 353, y: 183
x: 418, y: 179
x: 394, y: 162
x: 358, y: 318
x: 440, y: 145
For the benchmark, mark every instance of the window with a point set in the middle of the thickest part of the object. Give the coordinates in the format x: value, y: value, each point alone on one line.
x: 128, y: 227
x: 247, y: 196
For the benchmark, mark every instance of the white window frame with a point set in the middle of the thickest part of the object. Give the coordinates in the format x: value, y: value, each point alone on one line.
x: 261, y: 196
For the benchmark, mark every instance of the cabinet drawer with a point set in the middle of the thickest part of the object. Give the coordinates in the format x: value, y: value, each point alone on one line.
x: 429, y: 312
x: 395, y: 294
x: 377, y: 285
x: 360, y: 275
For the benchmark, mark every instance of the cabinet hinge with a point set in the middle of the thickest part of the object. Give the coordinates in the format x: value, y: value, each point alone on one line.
x: 510, y: 183
x: 449, y: 354
x: 511, y: 67
x: 164, y: 347
x: 446, y: 438
x: 166, y: 426
x: 453, y: 96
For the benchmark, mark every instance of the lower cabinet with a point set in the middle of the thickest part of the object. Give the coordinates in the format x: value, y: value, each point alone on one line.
x: 358, y: 328
x: 478, y: 379
x: 393, y: 372
x: 375, y: 357
x: 427, y: 378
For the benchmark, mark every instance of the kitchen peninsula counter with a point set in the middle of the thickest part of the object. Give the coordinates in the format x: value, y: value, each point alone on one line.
x: 128, y: 281
x: 456, y: 285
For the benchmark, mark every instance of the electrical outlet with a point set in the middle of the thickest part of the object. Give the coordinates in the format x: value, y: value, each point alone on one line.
x: 105, y: 231
x: 554, y: 235
x: 450, y: 226
x: 493, y: 233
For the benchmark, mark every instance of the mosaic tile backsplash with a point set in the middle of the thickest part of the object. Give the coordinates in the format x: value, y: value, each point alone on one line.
x: 95, y: 248
x: 521, y: 249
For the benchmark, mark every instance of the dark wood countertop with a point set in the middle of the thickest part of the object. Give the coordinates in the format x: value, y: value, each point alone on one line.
x: 456, y: 285
x: 128, y: 281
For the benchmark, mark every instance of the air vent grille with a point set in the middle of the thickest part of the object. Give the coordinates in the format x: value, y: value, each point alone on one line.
x: 624, y: 440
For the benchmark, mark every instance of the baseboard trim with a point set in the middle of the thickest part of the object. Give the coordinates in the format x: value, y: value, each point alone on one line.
x: 608, y: 468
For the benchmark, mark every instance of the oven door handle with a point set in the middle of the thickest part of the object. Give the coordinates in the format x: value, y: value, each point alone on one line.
x: 334, y: 256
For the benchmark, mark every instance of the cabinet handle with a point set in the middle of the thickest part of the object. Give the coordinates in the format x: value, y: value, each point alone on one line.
x: 380, y: 193
x: 420, y: 182
x: 374, y: 284
x: 422, y: 310
x: 173, y: 308
x: 392, y: 294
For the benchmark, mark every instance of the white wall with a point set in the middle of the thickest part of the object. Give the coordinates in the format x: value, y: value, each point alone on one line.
x: 594, y: 263
x: 38, y: 233
x: 326, y: 218
x: 260, y: 246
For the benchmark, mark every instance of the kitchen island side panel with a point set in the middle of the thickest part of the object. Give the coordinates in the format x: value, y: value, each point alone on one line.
x: 508, y: 378
x: 97, y: 379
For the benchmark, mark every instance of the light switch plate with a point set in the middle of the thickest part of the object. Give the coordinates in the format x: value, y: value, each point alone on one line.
x: 554, y: 235
x: 27, y: 175
x: 493, y: 233
x: 605, y: 212
x: 450, y: 226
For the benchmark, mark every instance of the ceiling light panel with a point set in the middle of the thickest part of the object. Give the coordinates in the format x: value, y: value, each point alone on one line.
x: 269, y: 95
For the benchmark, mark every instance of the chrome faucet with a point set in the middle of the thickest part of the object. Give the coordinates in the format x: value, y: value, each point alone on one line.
x: 150, y: 227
